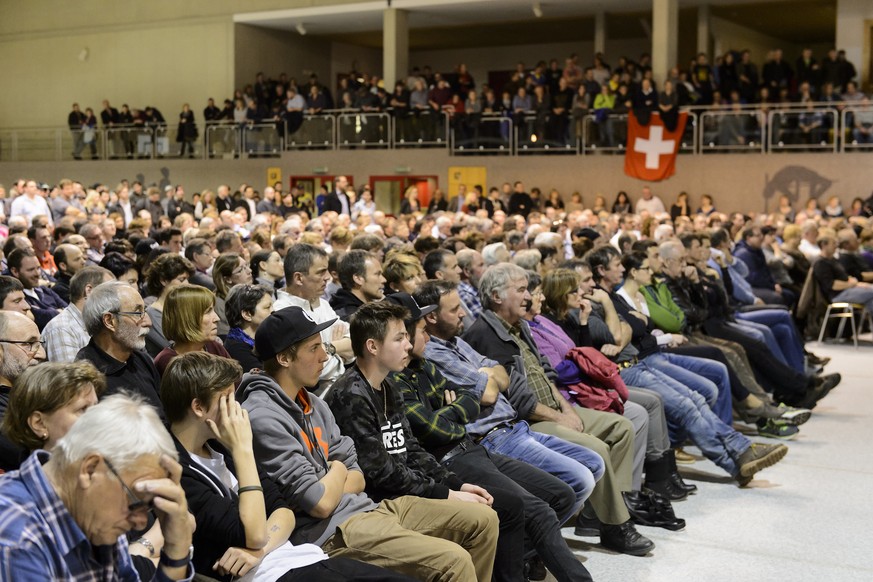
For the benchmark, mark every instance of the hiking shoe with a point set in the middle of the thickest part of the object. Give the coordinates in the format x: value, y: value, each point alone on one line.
x: 684, y: 458
x: 757, y: 457
x: 770, y: 429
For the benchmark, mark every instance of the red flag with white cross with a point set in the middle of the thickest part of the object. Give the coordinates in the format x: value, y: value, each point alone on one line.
x: 651, y: 149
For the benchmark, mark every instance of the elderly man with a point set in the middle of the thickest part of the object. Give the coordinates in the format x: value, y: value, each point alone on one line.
x: 497, y: 253
x: 472, y: 266
x: 94, y: 235
x: 117, y: 321
x: 502, y: 333
x: 649, y: 203
x: 21, y: 350
x: 65, y: 515
x: 306, y: 277
x: 69, y: 260
x: 65, y: 335
x: 45, y: 303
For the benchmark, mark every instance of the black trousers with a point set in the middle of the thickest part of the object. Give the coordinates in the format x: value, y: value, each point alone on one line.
x: 546, y: 501
x: 340, y: 570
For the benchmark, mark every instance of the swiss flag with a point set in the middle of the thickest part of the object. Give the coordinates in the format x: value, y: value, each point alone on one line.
x: 651, y: 149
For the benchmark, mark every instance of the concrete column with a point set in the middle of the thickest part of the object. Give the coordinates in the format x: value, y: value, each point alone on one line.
x: 665, y: 37
x: 395, y: 47
x: 703, y: 31
x: 600, y: 32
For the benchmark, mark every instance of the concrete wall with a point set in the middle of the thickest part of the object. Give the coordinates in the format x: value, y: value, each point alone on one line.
x: 730, y: 36
x: 346, y: 57
x: 278, y: 51
x: 738, y: 182
x: 853, y: 22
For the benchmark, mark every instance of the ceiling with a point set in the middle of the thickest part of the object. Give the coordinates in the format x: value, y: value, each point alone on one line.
x: 436, y: 24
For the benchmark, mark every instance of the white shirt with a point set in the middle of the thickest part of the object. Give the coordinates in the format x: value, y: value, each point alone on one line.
x: 653, y: 205
x: 810, y: 250
x: 321, y: 312
x: 65, y: 335
x: 24, y: 206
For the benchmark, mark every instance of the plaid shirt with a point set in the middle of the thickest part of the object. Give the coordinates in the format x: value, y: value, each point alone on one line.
x: 470, y: 298
x: 460, y: 363
x: 65, y: 335
x: 435, y: 423
x: 537, y: 380
x: 40, y: 540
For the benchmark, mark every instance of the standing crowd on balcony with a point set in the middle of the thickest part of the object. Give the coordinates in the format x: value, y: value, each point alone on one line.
x: 552, y: 103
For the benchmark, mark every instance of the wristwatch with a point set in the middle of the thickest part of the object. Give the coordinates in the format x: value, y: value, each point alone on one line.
x: 147, y: 544
x: 329, y: 348
x: 171, y: 563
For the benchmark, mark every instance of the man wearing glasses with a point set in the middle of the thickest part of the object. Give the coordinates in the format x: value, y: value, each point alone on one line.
x: 114, y: 315
x: 65, y: 515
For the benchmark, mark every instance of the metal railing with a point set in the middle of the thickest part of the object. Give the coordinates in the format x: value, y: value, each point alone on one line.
x: 826, y: 127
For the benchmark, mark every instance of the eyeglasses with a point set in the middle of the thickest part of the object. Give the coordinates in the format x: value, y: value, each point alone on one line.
x: 137, y: 315
x: 136, y: 504
x: 242, y: 269
x: 28, y: 345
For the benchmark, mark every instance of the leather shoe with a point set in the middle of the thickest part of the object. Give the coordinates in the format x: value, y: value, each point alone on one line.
x: 587, y: 527
x: 676, y: 478
x: 650, y: 509
x: 625, y: 539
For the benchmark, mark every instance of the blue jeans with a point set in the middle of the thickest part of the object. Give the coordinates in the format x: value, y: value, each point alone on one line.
x: 862, y: 295
x: 578, y: 467
x: 688, y: 413
x: 761, y: 333
x: 780, y: 323
x: 707, y: 377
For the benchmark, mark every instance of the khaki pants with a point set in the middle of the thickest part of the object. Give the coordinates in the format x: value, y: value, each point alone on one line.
x: 428, y: 539
x: 612, y: 437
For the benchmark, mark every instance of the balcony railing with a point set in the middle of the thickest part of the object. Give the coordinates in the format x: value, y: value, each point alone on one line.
x: 824, y: 127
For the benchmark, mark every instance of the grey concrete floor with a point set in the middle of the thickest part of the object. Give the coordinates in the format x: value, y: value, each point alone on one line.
x: 809, y: 518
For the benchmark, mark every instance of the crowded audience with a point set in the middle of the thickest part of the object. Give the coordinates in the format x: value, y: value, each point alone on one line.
x: 430, y: 395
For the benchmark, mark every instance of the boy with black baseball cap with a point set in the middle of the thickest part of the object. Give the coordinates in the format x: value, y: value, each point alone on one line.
x: 298, y: 442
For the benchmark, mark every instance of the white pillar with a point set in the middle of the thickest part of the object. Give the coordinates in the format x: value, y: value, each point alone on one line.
x: 665, y: 33
x: 600, y: 32
x: 703, y: 30
x: 395, y: 47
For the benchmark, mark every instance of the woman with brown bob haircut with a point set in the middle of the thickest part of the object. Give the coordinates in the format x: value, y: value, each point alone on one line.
x: 190, y: 323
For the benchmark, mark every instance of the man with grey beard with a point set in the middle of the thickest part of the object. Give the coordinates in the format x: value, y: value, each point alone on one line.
x: 20, y: 347
x: 115, y: 316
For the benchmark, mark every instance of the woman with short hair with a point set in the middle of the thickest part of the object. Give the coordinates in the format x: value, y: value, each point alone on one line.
x: 246, y: 307
x: 190, y: 323
x: 166, y: 272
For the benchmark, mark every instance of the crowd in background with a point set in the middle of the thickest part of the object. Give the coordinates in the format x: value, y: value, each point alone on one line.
x: 337, y: 373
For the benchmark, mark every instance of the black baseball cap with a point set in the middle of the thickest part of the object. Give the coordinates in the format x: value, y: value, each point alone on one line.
x: 284, y: 328
x: 406, y: 300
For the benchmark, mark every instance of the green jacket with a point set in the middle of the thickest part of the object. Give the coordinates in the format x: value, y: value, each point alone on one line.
x: 663, y: 311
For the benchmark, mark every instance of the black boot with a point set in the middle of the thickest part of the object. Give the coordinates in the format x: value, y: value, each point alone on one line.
x: 658, y: 479
x: 676, y: 478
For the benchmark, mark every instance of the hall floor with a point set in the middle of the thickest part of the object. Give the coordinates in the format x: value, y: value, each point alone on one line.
x: 809, y: 518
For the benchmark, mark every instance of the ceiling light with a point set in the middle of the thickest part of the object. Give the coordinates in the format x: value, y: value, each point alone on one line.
x: 537, y: 10
x: 301, y: 29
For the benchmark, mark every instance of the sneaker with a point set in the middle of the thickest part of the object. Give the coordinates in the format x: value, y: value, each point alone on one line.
x: 817, y: 360
x: 770, y: 429
x: 757, y: 457
x: 791, y: 415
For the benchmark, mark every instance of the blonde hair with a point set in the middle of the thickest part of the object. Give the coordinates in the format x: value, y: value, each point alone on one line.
x: 184, y: 309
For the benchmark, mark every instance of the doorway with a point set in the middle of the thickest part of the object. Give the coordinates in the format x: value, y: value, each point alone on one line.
x: 388, y: 191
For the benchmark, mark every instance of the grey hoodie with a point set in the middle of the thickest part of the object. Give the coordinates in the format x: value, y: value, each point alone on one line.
x: 294, y: 441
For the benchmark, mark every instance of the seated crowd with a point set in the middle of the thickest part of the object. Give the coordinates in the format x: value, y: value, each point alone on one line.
x: 430, y: 396
x: 551, y: 100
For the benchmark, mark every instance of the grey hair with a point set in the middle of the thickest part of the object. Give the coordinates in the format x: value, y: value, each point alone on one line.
x: 104, y: 298
x: 528, y: 259
x: 548, y: 238
x: 489, y: 252
x: 466, y: 257
x: 122, y: 428
x: 496, y: 280
x: 670, y: 249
